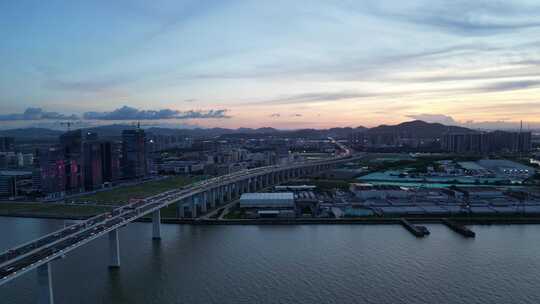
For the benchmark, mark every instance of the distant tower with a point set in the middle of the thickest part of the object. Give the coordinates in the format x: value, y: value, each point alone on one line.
x: 521, y: 140
x: 134, y: 154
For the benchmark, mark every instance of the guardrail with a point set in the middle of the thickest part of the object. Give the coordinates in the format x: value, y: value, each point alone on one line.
x: 124, y: 215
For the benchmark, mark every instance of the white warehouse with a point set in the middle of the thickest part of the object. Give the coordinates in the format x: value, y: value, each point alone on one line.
x: 279, y: 204
x: 267, y: 200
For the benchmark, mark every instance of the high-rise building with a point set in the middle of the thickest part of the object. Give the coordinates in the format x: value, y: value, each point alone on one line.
x: 86, y: 162
x: 7, y: 144
x: 8, y: 185
x: 357, y: 139
x: 93, y: 178
x: 71, y: 145
x: 49, y: 175
x: 110, y: 161
x: 466, y: 142
x: 133, y: 154
x: 491, y: 142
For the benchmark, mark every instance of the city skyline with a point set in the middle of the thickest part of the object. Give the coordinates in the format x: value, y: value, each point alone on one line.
x: 285, y: 65
x: 248, y: 151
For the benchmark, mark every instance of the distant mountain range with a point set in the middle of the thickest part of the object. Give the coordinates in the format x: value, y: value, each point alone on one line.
x: 32, y: 134
x: 419, y: 128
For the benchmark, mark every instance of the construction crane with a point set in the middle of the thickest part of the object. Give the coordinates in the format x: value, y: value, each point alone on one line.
x: 68, y: 124
x: 138, y: 124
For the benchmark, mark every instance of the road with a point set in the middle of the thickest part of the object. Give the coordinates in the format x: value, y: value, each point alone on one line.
x: 18, y: 260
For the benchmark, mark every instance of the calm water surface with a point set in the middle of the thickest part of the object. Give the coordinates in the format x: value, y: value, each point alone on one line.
x: 290, y: 264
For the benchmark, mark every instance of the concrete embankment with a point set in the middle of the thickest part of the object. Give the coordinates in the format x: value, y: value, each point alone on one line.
x: 346, y: 221
x: 358, y: 221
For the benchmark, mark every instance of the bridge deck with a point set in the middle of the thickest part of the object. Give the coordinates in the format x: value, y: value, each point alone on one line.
x: 21, y: 259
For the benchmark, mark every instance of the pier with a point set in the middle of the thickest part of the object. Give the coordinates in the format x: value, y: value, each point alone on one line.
x: 464, y: 231
x: 416, y: 230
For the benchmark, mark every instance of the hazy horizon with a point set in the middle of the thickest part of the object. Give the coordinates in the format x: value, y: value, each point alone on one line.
x: 61, y: 125
x: 287, y: 65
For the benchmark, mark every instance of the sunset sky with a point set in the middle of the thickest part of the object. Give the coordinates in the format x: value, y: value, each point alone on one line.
x: 284, y: 64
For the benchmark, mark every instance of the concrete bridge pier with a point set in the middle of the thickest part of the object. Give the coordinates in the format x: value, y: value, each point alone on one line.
x: 156, y: 225
x: 179, y: 209
x: 194, y: 202
x: 236, y: 190
x: 212, y: 198
x: 114, y: 249
x: 244, y: 186
x: 232, y: 188
x: 204, y: 200
x: 255, y: 182
x: 45, y: 293
x: 260, y: 184
x: 229, y: 193
x: 217, y: 194
x: 220, y: 196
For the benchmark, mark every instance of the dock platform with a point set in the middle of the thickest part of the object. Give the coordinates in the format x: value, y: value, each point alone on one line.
x: 416, y: 230
x: 464, y: 231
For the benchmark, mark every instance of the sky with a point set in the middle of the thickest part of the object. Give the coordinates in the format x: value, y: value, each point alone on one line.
x: 283, y: 64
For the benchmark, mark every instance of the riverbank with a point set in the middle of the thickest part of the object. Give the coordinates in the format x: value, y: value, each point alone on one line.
x: 81, y: 212
x: 357, y: 221
x: 486, y: 220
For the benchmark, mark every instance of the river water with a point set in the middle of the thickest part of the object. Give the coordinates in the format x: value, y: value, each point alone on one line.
x: 290, y: 264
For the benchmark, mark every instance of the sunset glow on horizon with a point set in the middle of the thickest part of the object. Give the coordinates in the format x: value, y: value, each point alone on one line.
x: 282, y: 64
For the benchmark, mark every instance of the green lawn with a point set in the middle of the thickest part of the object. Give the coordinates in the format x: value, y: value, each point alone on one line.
x: 167, y: 212
x: 122, y: 195
x: 235, y: 215
x: 116, y: 196
x: 49, y: 209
